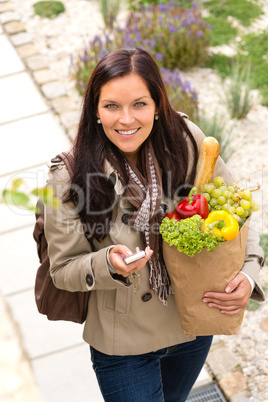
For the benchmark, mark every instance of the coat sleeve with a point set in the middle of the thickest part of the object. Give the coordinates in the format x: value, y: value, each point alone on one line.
x: 254, y: 259
x: 73, y: 265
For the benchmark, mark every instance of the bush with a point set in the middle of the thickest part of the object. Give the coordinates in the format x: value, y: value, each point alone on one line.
x: 48, y: 9
x: 245, y: 11
x: 177, y: 37
x: 181, y: 96
x: 238, y: 92
x: 109, y: 10
x: 254, y: 48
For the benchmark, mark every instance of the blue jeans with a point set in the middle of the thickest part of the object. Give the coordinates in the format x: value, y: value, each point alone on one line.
x: 165, y: 375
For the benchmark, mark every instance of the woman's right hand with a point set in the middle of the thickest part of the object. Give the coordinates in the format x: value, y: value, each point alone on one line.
x: 119, y: 252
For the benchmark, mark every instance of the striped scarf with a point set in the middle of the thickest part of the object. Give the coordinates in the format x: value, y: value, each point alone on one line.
x: 145, y: 195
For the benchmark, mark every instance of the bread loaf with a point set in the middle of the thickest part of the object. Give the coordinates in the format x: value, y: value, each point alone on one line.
x: 209, y: 153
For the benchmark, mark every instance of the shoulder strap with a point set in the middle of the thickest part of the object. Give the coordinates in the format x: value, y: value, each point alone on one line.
x: 68, y: 160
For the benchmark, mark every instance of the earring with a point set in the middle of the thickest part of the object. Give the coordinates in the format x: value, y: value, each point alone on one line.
x: 156, y: 116
x: 99, y: 121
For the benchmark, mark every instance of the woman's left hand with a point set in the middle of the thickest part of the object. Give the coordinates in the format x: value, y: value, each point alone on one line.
x: 234, y: 299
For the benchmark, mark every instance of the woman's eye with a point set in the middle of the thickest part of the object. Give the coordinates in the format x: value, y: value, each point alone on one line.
x: 140, y: 104
x: 111, y: 106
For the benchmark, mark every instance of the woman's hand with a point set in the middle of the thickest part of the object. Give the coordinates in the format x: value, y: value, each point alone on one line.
x: 119, y: 252
x: 234, y: 299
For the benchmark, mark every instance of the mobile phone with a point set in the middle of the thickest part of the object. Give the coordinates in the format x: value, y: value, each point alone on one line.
x: 135, y: 257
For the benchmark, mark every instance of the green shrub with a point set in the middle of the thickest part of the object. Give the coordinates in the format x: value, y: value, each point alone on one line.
x: 175, y: 36
x: 245, y: 11
x: 48, y: 9
x: 254, y: 48
x: 135, y: 4
x: 238, y: 92
x: 109, y: 10
x: 180, y: 93
x: 223, y: 31
x: 217, y: 127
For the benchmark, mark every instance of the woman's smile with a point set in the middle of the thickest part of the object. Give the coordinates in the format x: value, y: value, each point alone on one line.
x: 128, y: 132
x: 126, y: 110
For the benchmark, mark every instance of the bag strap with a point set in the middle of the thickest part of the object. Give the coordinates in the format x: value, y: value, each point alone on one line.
x: 68, y: 160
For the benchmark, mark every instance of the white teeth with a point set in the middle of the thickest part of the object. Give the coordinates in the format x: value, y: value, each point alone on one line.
x: 129, y: 132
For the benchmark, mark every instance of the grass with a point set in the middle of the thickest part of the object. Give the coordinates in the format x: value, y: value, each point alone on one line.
x: 245, y: 11
x: 252, y: 49
x: 238, y: 91
x: 48, y: 9
x: 223, y: 31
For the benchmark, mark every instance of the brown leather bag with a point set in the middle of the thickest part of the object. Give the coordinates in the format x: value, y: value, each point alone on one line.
x: 55, y: 303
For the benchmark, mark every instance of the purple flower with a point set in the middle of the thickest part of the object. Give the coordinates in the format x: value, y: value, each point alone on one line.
x: 172, y: 28
x: 84, y: 58
x: 159, y: 56
x: 199, y: 34
x: 163, y: 8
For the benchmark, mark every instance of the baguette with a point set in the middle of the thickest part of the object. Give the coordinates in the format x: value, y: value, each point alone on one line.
x: 209, y: 153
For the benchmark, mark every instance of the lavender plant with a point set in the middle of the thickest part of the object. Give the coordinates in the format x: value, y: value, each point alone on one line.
x: 180, y: 93
x: 176, y: 37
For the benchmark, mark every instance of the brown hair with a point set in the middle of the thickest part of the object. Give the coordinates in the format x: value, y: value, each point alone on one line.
x: 92, y: 147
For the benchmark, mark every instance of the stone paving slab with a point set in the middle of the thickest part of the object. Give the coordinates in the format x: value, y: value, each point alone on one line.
x: 67, y: 377
x: 10, y: 61
x: 17, y: 382
x: 31, y: 141
x: 19, y: 98
x: 41, y: 336
x: 18, y: 270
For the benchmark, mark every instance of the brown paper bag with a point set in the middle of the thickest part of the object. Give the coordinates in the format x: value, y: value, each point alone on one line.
x: 191, y: 277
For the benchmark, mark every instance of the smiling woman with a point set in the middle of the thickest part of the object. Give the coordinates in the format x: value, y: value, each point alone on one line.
x: 132, y: 155
x: 127, y: 111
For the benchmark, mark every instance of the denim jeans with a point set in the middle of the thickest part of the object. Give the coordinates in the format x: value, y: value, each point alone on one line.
x: 165, y: 375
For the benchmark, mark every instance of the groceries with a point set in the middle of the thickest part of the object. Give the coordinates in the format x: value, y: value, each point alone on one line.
x: 234, y: 199
x: 212, y: 216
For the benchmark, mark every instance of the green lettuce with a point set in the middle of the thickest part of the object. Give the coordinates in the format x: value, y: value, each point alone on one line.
x: 187, y: 235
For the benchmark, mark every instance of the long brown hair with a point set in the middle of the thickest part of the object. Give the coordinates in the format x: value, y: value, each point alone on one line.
x: 92, y: 147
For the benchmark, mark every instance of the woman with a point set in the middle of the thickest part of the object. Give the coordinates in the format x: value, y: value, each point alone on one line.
x: 132, y: 155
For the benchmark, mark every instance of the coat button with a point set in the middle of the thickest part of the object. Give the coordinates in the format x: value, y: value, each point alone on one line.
x: 125, y: 218
x: 146, y: 297
x: 56, y: 160
x: 89, y: 280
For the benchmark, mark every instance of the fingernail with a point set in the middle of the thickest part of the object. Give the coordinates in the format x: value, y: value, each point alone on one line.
x: 205, y: 300
x: 228, y: 289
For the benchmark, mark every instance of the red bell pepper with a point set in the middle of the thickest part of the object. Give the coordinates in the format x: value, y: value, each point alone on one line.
x: 172, y: 215
x: 194, y: 204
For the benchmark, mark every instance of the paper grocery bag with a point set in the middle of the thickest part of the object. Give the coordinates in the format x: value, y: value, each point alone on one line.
x: 191, y: 277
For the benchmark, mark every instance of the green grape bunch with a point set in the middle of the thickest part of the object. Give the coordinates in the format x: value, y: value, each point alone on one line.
x: 234, y: 199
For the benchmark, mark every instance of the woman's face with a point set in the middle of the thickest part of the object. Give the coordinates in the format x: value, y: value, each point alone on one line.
x: 126, y: 110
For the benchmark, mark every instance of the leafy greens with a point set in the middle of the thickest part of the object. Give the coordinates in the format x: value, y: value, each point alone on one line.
x: 187, y: 235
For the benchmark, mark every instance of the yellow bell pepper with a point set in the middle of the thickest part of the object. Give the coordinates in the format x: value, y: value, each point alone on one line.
x: 222, y: 224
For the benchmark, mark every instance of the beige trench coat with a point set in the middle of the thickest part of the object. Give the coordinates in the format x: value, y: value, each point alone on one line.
x: 120, y: 321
